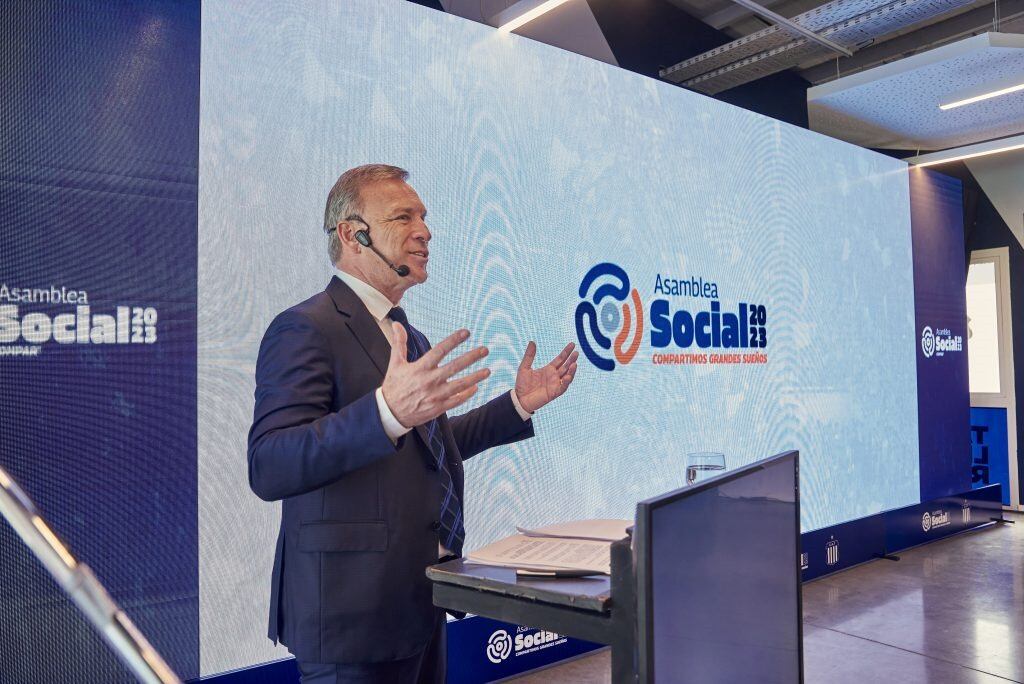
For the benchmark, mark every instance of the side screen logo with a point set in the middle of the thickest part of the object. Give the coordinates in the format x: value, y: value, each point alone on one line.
x: 499, y: 646
x: 926, y: 522
x: 927, y: 343
x: 940, y: 342
x: 68, y: 318
x: 600, y: 317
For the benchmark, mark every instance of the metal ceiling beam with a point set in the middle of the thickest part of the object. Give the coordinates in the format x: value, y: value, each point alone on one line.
x: 782, y: 21
x: 973, y: 21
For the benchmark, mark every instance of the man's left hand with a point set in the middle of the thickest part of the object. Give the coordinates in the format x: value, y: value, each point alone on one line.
x: 535, y: 387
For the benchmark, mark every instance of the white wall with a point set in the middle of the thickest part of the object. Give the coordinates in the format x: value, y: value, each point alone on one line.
x: 1001, y: 176
x: 571, y: 26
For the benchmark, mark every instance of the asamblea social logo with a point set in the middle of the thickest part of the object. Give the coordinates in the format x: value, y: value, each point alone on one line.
x: 24, y: 329
x: 938, y: 342
x: 499, y: 646
x: 934, y: 520
x: 527, y: 640
x: 605, y: 295
x: 611, y: 317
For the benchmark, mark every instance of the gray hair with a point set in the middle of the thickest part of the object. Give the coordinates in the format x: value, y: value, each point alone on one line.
x: 344, y: 199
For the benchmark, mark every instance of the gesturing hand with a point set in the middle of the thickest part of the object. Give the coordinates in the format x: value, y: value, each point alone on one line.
x: 421, y: 390
x: 536, y: 387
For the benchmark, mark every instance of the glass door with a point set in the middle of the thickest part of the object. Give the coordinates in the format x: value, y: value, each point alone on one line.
x: 990, y: 368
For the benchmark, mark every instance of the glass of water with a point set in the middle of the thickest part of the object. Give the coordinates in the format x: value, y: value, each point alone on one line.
x: 701, y: 465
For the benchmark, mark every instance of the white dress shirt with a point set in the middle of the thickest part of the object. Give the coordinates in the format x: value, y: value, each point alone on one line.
x: 379, y: 306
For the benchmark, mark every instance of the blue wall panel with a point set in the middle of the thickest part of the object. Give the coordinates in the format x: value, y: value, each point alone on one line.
x: 940, y: 300
x: 98, y: 195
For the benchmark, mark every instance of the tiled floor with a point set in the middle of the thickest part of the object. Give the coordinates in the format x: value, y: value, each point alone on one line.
x: 950, y: 612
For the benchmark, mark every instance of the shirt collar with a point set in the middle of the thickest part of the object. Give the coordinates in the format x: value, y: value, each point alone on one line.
x: 376, y: 303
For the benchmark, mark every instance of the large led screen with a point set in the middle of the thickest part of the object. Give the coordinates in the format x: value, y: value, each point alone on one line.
x: 736, y: 284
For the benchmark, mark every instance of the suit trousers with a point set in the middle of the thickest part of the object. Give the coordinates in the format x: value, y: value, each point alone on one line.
x: 429, y: 666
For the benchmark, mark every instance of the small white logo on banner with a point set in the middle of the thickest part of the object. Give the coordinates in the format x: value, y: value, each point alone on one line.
x: 927, y: 344
x: 499, y: 646
x: 940, y: 342
x: 934, y: 520
x: 804, y: 561
x: 966, y: 512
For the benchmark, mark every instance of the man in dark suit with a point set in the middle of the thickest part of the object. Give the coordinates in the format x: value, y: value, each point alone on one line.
x: 350, y: 430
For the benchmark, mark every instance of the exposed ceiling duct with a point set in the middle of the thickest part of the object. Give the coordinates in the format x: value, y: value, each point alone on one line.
x: 851, y: 24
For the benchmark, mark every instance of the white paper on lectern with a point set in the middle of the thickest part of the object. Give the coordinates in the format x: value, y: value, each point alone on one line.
x: 599, y: 530
x: 546, y: 553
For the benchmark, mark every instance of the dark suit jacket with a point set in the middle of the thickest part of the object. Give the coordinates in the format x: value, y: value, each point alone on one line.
x: 359, y: 513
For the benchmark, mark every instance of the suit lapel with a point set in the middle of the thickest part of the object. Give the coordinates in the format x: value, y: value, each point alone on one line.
x: 363, y: 326
x: 366, y: 331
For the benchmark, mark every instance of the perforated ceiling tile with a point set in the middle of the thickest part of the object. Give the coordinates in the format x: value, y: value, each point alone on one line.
x: 896, y: 105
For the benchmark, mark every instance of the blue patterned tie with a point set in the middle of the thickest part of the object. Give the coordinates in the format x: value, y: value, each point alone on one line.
x: 452, y: 532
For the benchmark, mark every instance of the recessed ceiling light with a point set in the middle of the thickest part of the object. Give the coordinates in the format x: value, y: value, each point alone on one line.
x: 979, y: 98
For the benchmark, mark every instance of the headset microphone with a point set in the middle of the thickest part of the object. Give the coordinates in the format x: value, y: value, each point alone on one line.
x: 363, y: 238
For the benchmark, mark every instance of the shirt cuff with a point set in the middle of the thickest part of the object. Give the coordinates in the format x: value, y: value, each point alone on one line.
x: 392, y: 428
x: 523, y: 413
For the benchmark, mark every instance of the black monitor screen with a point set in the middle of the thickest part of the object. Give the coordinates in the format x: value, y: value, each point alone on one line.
x: 720, y: 593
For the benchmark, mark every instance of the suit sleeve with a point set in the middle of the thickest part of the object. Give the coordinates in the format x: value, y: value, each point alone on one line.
x: 296, y: 443
x: 495, y: 423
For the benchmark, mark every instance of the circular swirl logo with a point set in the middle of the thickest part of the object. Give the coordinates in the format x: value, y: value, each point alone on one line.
x: 927, y: 343
x: 499, y: 646
x: 610, y: 317
x: 926, y: 522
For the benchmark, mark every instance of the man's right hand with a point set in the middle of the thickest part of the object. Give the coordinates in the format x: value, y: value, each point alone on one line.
x: 419, y: 391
